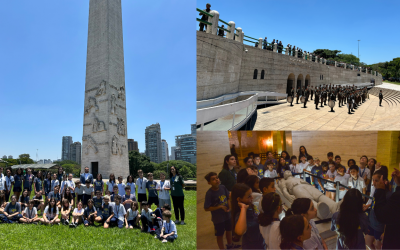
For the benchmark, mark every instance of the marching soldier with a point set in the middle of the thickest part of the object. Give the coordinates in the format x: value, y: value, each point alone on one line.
x: 298, y: 95
x: 380, y: 98
x: 332, y: 98
x: 316, y: 99
x: 312, y: 92
x: 306, y: 93
x: 349, y: 103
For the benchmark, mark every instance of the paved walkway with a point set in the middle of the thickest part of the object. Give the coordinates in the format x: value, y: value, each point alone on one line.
x: 386, y: 85
x: 369, y: 116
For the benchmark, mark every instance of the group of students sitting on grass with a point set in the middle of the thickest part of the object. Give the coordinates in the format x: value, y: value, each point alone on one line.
x: 359, y: 223
x: 72, y: 204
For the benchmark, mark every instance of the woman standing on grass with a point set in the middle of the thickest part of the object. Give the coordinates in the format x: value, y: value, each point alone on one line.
x: 111, y: 183
x: 38, y: 182
x: 177, y: 195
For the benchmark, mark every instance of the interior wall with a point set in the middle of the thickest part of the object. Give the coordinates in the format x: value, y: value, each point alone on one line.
x: 212, y: 147
x: 347, y: 144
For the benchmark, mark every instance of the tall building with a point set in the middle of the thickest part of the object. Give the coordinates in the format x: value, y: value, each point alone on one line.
x: 75, y: 152
x: 133, y: 145
x: 65, y: 151
x: 187, y: 145
x: 153, y: 143
x: 5, y: 157
x: 165, y: 153
x: 10, y: 157
x: 172, y: 154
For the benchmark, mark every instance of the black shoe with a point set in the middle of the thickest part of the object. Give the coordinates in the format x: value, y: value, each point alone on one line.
x: 233, y: 246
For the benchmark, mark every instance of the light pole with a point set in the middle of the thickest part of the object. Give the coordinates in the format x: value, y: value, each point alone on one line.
x: 359, y: 51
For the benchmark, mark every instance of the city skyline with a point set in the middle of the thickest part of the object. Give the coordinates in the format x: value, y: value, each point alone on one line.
x: 50, y: 73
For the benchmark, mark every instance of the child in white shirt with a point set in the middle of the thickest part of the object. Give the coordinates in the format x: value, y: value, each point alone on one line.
x: 356, y: 181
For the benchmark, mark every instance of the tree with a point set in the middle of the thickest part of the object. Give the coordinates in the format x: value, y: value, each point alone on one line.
x: 186, y: 169
x: 25, y: 159
x: 138, y: 161
x: 326, y: 53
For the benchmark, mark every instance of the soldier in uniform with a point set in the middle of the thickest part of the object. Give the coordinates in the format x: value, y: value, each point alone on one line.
x: 332, y: 97
x: 349, y: 103
x: 292, y: 95
x: 294, y: 51
x: 325, y: 96
x: 290, y: 49
x: 298, y: 95
x: 339, y: 96
x: 306, y: 94
x: 204, y: 17
x: 321, y: 94
x: 316, y: 99
x: 265, y: 43
x: 380, y: 98
x: 312, y: 92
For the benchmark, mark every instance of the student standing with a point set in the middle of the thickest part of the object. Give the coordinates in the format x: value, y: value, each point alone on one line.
x: 260, y: 167
x: 38, y: 182
x: 228, y: 175
x: 245, y: 217
x: 47, y: 185
x: 343, y: 178
x: 151, y: 188
x: 71, y: 185
x: 111, y: 183
x: 177, y: 195
x: 18, y: 178
x: 88, y: 191
x: 267, y: 185
x: 28, y: 181
x: 269, y: 220
x: 356, y: 181
x: 131, y: 183
x: 128, y: 198
x: 8, y: 183
x: 163, y: 187
x: 294, y: 230
x: 121, y: 187
x: 217, y: 202
x: 141, y: 186
x: 54, y: 182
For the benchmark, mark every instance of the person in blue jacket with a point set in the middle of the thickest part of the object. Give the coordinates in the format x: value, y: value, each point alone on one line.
x: 86, y: 176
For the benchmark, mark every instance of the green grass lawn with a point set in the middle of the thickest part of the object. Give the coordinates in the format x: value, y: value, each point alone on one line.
x: 18, y: 236
x: 398, y: 83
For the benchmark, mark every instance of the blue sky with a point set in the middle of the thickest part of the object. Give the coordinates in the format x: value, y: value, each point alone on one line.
x: 319, y: 24
x: 43, y: 65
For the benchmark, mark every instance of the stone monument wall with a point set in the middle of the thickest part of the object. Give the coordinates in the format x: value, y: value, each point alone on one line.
x: 224, y: 66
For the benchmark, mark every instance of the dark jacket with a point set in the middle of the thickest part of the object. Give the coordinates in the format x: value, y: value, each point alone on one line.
x: 227, y: 178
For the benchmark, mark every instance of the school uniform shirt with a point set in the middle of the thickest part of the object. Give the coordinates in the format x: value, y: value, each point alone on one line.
x: 51, y: 213
x: 88, y: 190
x: 151, y: 187
x: 71, y: 184
x: 358, y: 184
x: 98, y: 185
x: 121, y: 189
x: 252, y: 238
x: 303, y: 166
x: 315, y: 241
x: 9, y: 181
x: 141, y: 185
x: 364, y: 172
x: 2, y: 180
x: 56, y: 196
x: 23, y: 200
x: 271, y: 235
x: 79, y: 190
x: 133, y: 187
x: 47, y: 185
x: 216, y: 198
x: 330, y: 185
x: 295, y: 169
x: 147, y: 214
x: 270, y: 174
x: 28, y: 180
x: 79, y: 211
x: 260, y: 170
x: 36, y: 203
x: 315, y: 170
x: 169, y: 228
x: 110, y: 186
x: 322, y: 175
x: 163, y: 194
x: 309, y: 168
x: 53, y: 184
x: 363, y: 228
x: 30, y: 213
x: 131, y: 214
x: 18, y: 180
x: 127, y: 197
x: 344, y: 180
x: 88, y: 211
x: 97, y: 202
x: 106, y: 210
x: 12, y: 209
x: 63, y: 186
x: 38, y: 183
x: 119, y: 212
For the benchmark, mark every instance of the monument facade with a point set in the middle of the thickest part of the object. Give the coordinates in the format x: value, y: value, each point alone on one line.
x: 104, y: 141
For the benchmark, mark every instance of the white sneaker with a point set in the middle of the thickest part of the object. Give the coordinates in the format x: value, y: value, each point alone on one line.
x: 164, y: 241
x: 155, y: 237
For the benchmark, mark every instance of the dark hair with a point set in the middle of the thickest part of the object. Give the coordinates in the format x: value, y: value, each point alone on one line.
x: 250, y: 181
x: 269, y: 163
x: 365, y: 157
x: 310, y: 158
x: 293, y: 157
x: 348, y: 162
x: 241, y: 175
x: 101, y: 177
x: 127, y: 187
x: 250, y: 154
x: 299, y: 206
x: 324, y: 164
x: 144, y: 203
x: 287, y: 155
x: 256, y: 155
x: 265, y: 182
x: 87, y: 181
x: 305, y: 151
x: 372, y: 170
x: 270, y: 203
x: 225, y: 165
x: 355, y: 167
x: 348, y: 218
x: 176, y: 170
x: 55, y: 204
x: 238, y: 191
x: 133, y: 179
x: 332, y: 163
x: 290, y: 228
x: 16, y: 172
x: 118, y: 197
x: 167, y: 206
x: 62, y: 204
x: 109, y: 178
x: 383, y: 171
x: 41, y: 175
x: 209, y: 175
x: 268, y: 153
x: 2, y: 200
x: 246, y: 159
x: 329, y: 154
x: 337, y: 156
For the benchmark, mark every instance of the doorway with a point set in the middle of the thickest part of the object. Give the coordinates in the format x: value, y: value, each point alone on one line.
x: 95, y: 169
